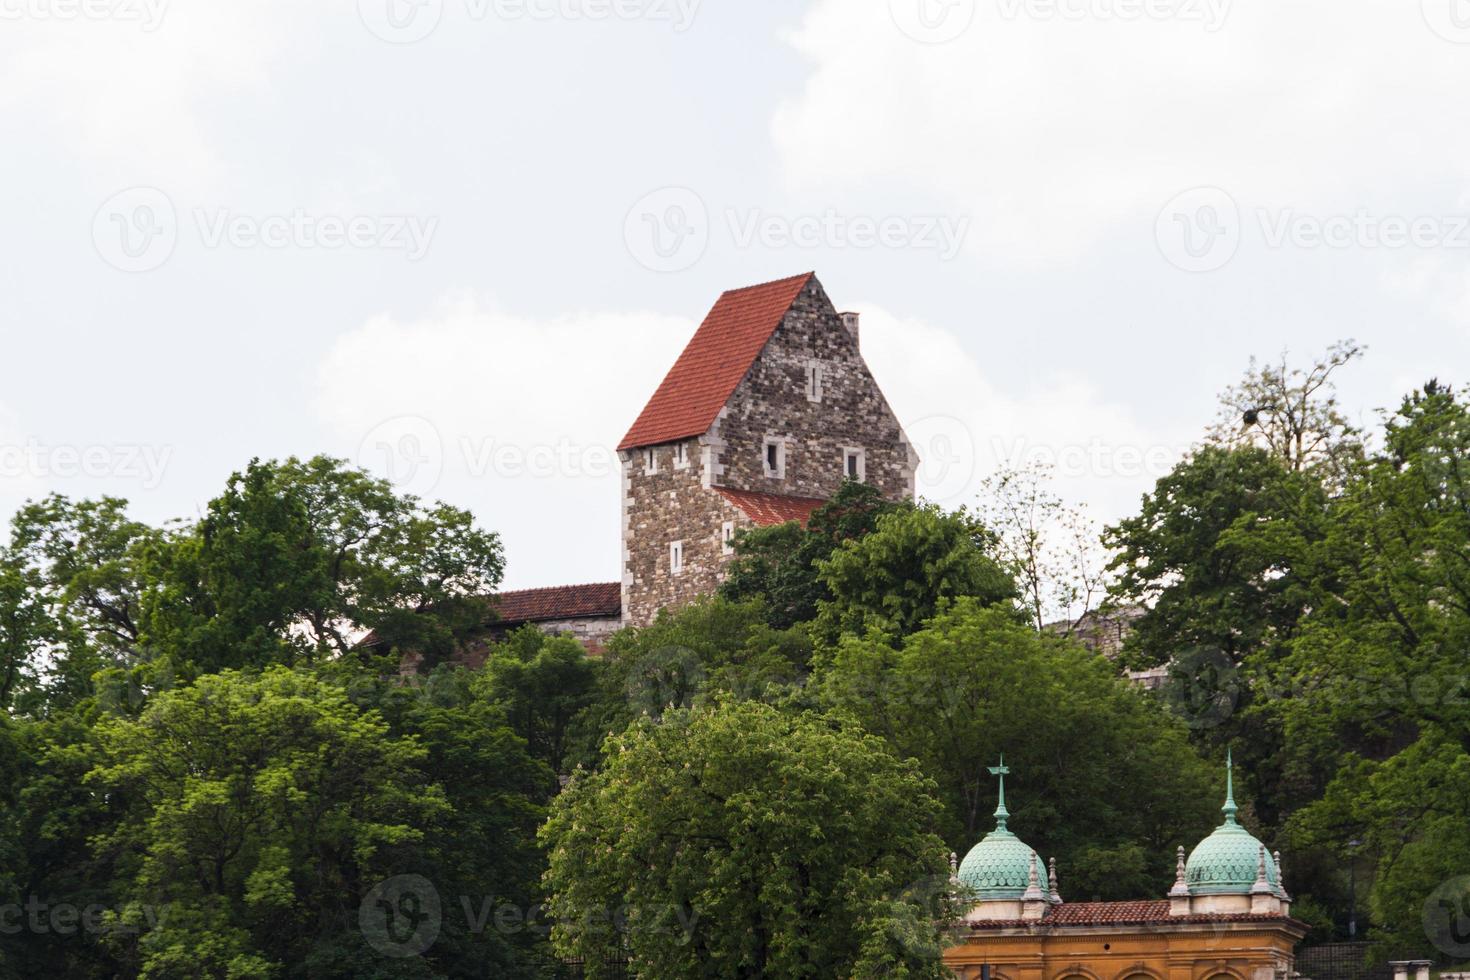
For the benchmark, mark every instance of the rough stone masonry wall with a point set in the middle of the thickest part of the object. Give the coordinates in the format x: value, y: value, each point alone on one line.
x: 772, y: 402
x: 658, y: 508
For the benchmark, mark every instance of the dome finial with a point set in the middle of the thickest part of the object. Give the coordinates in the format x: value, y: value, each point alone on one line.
x: 1001, y: 814
x: 1229, y: 808
x: 1181, y: 882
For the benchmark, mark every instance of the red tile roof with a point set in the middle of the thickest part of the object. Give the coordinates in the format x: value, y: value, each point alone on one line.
x: 602, y: 599
x: 1150, y: 912
x: 770, y: 508
x: 714, y: 362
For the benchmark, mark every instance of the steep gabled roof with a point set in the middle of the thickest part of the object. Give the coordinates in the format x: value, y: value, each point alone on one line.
x: 766, y: 509
x: 714, y: 362
x: 598, y: 600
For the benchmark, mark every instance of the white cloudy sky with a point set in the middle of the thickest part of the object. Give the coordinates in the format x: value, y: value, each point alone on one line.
x: 460, y: 240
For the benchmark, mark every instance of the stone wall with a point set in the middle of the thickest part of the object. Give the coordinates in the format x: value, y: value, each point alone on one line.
x: 772, y: 402
x: 667, y: 505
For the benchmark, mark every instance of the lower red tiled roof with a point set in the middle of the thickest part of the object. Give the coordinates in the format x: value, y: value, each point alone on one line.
x: 766, y: 509
x: 600, y: 599
x: 1150, y: 912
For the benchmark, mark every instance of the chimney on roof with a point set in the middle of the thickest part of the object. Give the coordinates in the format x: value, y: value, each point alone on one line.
x: 850, y: 321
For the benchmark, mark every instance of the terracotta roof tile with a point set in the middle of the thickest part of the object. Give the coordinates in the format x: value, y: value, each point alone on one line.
x: 600, y: 599
x: 714, y: 362
x: 1150, y: 912
x: 766, y: 509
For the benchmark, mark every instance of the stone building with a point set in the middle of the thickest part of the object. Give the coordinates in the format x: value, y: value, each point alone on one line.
x: 1227, y: 916
x: 766, y: 412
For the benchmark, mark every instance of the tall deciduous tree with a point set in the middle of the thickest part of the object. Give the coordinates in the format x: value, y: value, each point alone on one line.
x: 1377, y: 677
x: 736, y: 840
x: 1105, y: 780
x: 914, y: 561
x: 1050, y: 547
x: 264, y: 805
x: 1292, y: 412
x: 296, y: 560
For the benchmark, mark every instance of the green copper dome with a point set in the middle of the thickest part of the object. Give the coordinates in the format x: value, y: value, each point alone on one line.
x: 1000, y: 865
x: 1228, y: 861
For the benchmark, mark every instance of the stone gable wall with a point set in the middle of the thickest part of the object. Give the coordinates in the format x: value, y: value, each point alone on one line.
x: 771, y: 402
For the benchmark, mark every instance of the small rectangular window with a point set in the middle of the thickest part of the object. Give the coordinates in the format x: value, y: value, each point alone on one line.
x: 676, y: 557
x: 813, y: 381
x: 681, y: 456
x: 650, y: 461
x: 775, y: 461
x: 854, y: 465
x: 727, y: 537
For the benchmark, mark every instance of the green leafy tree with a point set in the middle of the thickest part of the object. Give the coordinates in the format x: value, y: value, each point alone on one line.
x: 901, y: 574
x: 296, y: 560
x: 1374, y: 687
x: 71, y: 586
x: 736, y: 840
x: 708, y: 646
x: 1214, y: 555
x: 779, y: 565
x: 544, y: 683
x: 480, y: 855
x: 265, y: 805
x: 1105, y: 780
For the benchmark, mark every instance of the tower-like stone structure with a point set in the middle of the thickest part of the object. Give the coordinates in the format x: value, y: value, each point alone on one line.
x: 766, y: 412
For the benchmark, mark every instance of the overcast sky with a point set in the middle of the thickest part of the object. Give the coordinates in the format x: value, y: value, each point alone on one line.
x: 460, y: 241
